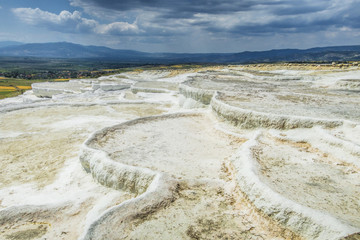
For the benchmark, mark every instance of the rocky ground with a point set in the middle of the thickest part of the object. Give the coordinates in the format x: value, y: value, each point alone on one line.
x: 228, y: 152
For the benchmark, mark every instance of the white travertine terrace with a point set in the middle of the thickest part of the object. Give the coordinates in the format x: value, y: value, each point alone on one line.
x: 248, y: 153
x: 48, y: 89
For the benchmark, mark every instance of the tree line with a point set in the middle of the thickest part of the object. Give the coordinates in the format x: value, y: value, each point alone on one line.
x: 57, y: 74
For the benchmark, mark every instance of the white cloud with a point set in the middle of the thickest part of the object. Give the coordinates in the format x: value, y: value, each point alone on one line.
x: 66, y: 21
x: 117, y: 28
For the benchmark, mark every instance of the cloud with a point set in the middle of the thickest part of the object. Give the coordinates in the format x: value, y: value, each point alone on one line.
x: 73, y: 22
x: 210, y: 25
x: 181, y: 8
x: 246, y: 17
x: 117, y: 28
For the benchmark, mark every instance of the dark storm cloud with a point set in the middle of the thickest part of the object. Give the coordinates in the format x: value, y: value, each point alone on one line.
x: 185, y: 6
x: 197, y: 21
x: 280, y: 16
x: 291, y: 10
x: 189, y: 7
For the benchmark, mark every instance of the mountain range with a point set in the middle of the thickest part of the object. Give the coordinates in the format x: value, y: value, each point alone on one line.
x: 66, y: 50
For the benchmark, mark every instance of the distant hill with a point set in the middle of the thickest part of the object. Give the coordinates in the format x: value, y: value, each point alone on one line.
x: 9, y: 43
x: 76, y: 51
x: 66, y: 50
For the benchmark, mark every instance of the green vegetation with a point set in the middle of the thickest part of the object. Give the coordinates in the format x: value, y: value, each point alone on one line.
x: 12, y: 87
x: 41, y: 68
x: 44, y: 68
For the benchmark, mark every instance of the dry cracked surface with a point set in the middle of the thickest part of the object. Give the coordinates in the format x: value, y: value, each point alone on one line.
x: 310, y: 176
x: 40, y: 167
x: 184, y: 147
x: 190, y: 149
x: 45, y: 193
x: 36, y: 143
x: 207, y: 211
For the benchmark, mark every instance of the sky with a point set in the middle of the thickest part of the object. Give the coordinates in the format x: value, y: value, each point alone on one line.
x: 190, y: 26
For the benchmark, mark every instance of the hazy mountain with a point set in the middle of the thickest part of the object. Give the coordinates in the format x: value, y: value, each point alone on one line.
x: 66, y: 50
x: 9, y: 43
x: 73, y: 51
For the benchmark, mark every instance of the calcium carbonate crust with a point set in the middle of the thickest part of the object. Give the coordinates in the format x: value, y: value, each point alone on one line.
x: 308, y: 222
x: 154, y: 190
x: 201, y: 95
x: 250, y: 119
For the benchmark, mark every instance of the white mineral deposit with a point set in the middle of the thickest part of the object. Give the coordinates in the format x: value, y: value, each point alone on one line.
x: 230, y: 152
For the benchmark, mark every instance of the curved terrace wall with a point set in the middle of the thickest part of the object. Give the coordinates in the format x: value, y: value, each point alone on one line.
x: 48, y: 89
x: 148, y: 90
x: 155, y: 190
x: 115, y: 174
x: 202, y: 95
x: 250, y: 119
x: 308, y: 222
